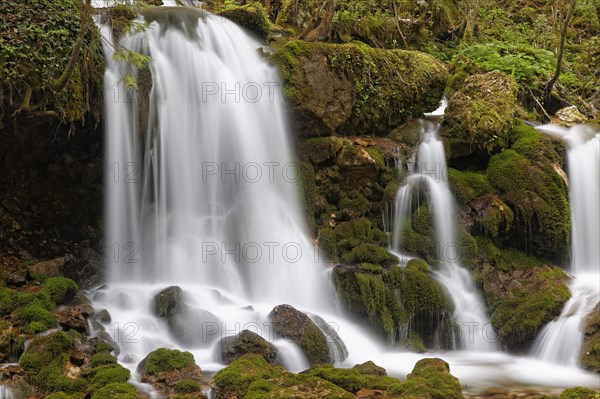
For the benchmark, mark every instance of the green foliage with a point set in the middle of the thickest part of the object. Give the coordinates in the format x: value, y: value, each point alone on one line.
x: 165, y: 360
x: 35, y: 48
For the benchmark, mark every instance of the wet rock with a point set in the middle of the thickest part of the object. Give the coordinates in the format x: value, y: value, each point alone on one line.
x: 337, y: 348
x: 18, y: 277
x: 245, y: 342
x: 568, y: 117
x: 48, y: 268
x: 370, y: 368
x: 103, y: 316
x: 74, y: 318
x: 294, y: 325
x: 77, y: 357
x: 168, y: 301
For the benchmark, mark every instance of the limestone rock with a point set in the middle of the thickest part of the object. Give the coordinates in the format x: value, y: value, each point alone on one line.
x: 569, y: 116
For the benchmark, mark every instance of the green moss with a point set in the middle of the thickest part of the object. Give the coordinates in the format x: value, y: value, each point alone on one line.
x: 102, y: 359
x: 108, y: 374
x: 61, y: 289
x: 44, y: 362
x: 421, y: 221
x: 320, y: 149
x: 480, y: 114
x: 165, y: 360
x: 579, y: 393
x: 370, y: 253
x: 36, y: 60
x: 62, y: 395
x: 187, y: 386
x: 251, y: 16
x: 377, y: 155
x: 103, y: 346
x: 121, y: 17
x: 358, y: 206
x: 7, y: 301
x: 430, y: 378
x: 236, y: 378
x: 116, y: 391
x: 314, y: 345
x: 327, y: 244
x: 300, y: 386
x: 352, y: 380
x: 388, y: 86
x: 421, y: 294
x: 36, y: 318
x: 468, y: 186
x: 538, y: 195
x: 506, y: 259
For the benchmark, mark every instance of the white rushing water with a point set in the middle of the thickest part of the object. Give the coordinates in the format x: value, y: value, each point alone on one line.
x: 560, y: 341
x: 476, y: 333
x: 201, y: 193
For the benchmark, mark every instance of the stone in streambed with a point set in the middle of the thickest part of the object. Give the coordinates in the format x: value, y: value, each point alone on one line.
x: 297, y: 327
x: 231, y: 348
x: 164, y: 368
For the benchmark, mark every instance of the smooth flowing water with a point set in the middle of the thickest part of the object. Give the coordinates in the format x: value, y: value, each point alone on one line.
x: 475, y: 331
x: 560, y: 341
x: 201, y: 193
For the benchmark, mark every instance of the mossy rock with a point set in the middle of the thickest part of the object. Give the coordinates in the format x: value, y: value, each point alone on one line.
x: 294, y: 325
x: 590, y: 351
x: 350, y: 88
x: 102, y: 359
x: 164, y: 360
x: 579, y: 393
x: 235, y: 379
x: 467, y: 186
x: 108, y: 374
x: 522, y: 302
x: 480, y: 115
x: 352, y: 380
x: 251, y: 16
x: 61, y: 289
x: 430, y: 378
x: 320, y: 149
x: 370, y: 368
x: 301, y: 386
x: 539, y: 197
x: 116, y: 391
x: 369, y: 253
x: 44, y: 364
x: 230, y: 348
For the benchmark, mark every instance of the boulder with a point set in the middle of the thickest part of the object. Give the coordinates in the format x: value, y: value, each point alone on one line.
x: 74, y: 318
x: 48, y: 268
x: 569, y: 116
x: 168, y: 301
x: 164, y: 368
x: 374, y: 92
x: 430, y: 378
x: 370, y: 368
x: 245, y: 342
x: 250, y: 16
x: 522, y: 302
x: 480, y: 115
x: 297, y: 327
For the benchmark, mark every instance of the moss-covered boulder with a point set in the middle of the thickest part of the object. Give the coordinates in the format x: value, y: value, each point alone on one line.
x: 579, y: 393
x: 430, y: 378
x: 353, y: 88
x: 370, y: 368
x: 163, y: 368
x: 527, y: 177
x: 590, y: 351
x: 352, y: 380
x: 168, y: 301
x: 234, y: 380
x: 251, y: 16
x: 46, y: 364
x: 294, y: 325
x: 522, y: 301
x: 391, y: 298
x: 480, y: 115
x: 245, y: 342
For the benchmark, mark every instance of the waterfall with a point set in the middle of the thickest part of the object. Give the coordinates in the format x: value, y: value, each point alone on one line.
x: 201, y: 189
x: 475, y: 329
x: 560, y: 341
x: 6, y: 392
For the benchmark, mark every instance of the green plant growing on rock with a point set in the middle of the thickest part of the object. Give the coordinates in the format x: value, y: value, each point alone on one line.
x: 165, y: 360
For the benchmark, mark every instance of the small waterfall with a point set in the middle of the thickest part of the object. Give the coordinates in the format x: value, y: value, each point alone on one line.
x: 6, y: 392
x: 560, y: 341
x: 430, y: 171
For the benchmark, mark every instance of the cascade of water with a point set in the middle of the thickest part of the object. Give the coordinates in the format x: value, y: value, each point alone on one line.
x: 206, y: 197
x: 560, y: 341
x: 476, y: 332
